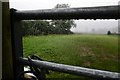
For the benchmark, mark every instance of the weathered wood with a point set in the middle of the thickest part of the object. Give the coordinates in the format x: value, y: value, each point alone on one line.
x: 72, y: 69
x: 17, y: 48
x: 0, y: 40
x: 7, y: 57
x: 102, y: 12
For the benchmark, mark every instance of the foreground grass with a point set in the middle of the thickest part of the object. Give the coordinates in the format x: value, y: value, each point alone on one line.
x: 92, y: 51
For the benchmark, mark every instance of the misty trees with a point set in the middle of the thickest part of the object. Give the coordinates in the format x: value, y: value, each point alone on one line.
x: 108, y: 33
x: 63, y: 26
x: 37, y: 27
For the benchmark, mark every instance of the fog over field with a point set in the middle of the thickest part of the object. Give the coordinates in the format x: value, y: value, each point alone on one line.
x: 96, y: 26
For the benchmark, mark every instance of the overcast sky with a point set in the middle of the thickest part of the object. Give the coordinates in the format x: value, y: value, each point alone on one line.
x: 82, y: 25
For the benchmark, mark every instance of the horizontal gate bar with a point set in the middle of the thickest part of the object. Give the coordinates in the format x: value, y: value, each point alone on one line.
x: 72, y: 69
x: 101, y: 12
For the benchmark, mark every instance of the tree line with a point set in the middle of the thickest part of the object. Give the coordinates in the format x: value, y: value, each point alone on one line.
x: 44, y: 27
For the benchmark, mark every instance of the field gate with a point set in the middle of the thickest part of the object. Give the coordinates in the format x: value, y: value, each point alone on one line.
x: 13, y: 61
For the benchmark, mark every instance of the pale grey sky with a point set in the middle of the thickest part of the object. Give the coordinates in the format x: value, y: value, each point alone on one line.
x: 100, y: 26
x: 82, y: 25
x: 47, y: 4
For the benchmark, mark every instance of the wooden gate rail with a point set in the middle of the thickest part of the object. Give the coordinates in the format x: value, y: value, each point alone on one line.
x: 81, y: 71
x: 103, y: 12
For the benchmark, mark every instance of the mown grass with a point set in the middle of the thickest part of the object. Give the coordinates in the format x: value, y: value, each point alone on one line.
x: 91, y: 51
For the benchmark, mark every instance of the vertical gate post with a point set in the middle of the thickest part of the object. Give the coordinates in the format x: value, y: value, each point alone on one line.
x: 7, y: 57
x: 0, y: 40
x: 16, y: 28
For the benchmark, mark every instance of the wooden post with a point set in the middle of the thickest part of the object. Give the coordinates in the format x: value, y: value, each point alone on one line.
x: 0, y: 40
x: 7, y: 57
x: 16, y: 30
x: 12, y: 44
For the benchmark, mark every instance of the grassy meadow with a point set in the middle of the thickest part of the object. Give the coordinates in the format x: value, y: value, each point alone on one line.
x: 91, y: 51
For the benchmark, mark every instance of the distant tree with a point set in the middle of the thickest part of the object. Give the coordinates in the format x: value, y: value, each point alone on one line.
x: 62, y: 6
x: 108, y: 33
x: 62, y: 26
x: 119, y: 27
x: 35, y: 27
x: 93, y: 31
x: 42, y: 26
x: 27, y: 27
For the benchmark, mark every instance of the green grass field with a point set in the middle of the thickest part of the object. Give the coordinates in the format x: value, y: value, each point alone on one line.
x: 91, y: 51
